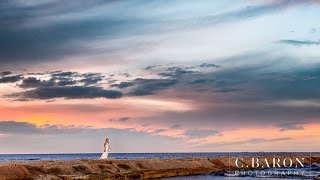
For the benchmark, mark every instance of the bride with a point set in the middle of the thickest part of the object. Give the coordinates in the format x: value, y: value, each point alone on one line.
x: 107, y: 149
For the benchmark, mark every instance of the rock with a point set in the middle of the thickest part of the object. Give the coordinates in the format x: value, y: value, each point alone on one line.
x: 127, y: 169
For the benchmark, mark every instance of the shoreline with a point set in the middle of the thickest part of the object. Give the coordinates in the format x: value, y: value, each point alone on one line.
x: 132, y: 169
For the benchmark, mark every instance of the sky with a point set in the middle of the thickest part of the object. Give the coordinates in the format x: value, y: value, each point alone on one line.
x: 159, y: 76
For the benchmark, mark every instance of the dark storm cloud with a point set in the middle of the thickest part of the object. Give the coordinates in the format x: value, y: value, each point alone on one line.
x: 61, y: 84
x: 212, y: 81
x: 167, y: 79
x: 201, y: 133
x: 207, y: 65
x: 91, y: 78
x: 67, y: 78
x: 292, y: 85
x: 253, y: 95
x: 201, y: 81
x: 5, y: 73
x: 302, y: 83
x: 203, y: 77
x: 247, y: 84
x: 151, y: 86
x: 67, y: 92
x: 300, y: 43
x: 32, y: 82
x: 66, y: 82
x: 10, y: 79
x: 176, y: 71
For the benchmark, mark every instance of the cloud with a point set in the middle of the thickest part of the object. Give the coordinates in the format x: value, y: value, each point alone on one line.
x: 299, y: 43
x: 52, y: 31
x: 12, y: 127
x: 123, y: 85
x: 250, y: 11
x: 5, y: 73
x: 123, y: 119
x: 64, y: 74
x: 243, y: 143
x: 176, y: 126
x: 26, y: 128
x: 65, y: 82
x: 62, y: 78
x: 143, y: 86
x: 61, y: 84
x: 10, y: 79
x: 176, y: 72
x: 91, y: 78
x: 208, y: 65
x: 285, y: 3
x: 48, y: 31
x: 67, y: 92
x: 75, y: 139
x: 291, y: 126
x: 201, y: 133
x: 152, y: 67
x: 256, y: 141
x: 158, y: 131
x: 263, y: 140
x: 32, y: 82
x: 151, y: 86
x: 252, y: 95
x: 201, y: 81
x: 246, y: 93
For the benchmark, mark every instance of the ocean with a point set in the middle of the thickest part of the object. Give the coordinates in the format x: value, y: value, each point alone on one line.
x: 310, y: 172
x: 13, y: 157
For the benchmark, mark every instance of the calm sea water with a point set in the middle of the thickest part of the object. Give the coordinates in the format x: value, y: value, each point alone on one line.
x: 11, y: 157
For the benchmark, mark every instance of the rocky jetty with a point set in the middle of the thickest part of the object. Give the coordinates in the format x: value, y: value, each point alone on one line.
x: 134, y: 169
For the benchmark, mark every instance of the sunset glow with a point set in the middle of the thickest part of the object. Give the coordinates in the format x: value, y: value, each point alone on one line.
x: 176, y: 76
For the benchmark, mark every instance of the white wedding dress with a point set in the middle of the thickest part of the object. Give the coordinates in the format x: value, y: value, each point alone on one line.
x: 106, y: 151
